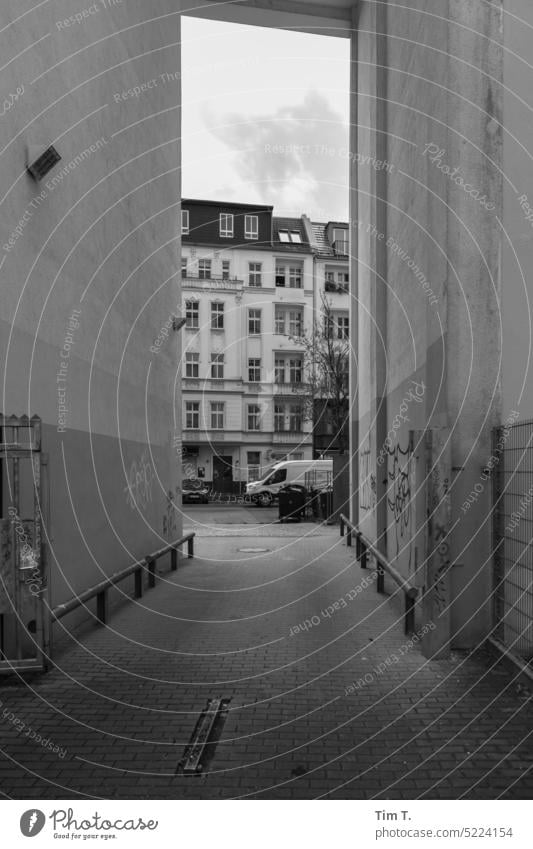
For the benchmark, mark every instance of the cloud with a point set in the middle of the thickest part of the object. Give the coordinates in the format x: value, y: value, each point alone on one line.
x: 295, y: 158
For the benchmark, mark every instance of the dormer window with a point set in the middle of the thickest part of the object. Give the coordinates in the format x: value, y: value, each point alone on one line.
x: 251, y: 227
x: 226, y: 225
x: 184, y: 222
x: 288, y: 236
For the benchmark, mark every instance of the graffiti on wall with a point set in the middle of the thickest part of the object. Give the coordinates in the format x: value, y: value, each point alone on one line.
x: 439, y: 506
x: 367, y: 479
x: 169, y: 517
x: 139, y: 484
x: 400, y: 498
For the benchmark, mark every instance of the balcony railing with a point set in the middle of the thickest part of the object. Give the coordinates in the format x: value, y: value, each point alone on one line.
x: 332, y: 286
x: 190, y: 282
x: 296, y: 388
x: 282, y: 437
x: 341, y: 247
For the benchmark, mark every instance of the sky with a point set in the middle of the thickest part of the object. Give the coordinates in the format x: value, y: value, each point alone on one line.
x: 266, y: 118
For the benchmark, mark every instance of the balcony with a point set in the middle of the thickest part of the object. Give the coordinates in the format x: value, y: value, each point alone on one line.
x: 331, y: 286
x: 296, y: 388
x: 210, y: 436
x: 212, y: 284
x: 212, y: 383
x: 341, y: 247
x: 283, y: 437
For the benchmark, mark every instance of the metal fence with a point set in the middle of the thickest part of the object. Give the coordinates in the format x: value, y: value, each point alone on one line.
x: 513, y: 537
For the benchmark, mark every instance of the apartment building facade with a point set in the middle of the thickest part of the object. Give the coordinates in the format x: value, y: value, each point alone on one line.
x: 331, y: 293
x: 248, y: 292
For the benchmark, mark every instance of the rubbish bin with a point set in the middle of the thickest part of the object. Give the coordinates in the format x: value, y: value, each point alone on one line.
x: 291, y: 500
x: 326, y: 504
x: 314, y: 503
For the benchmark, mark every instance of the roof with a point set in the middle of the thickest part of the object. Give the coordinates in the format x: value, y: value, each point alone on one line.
x: 290, y: 225
x: 322, y: 245
x: 260, y: 207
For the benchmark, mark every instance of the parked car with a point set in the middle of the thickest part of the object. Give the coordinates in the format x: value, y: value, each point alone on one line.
x: 264, y: 491
x: 194, y: 491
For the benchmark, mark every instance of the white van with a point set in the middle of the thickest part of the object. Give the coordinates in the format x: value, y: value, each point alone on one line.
x: 264, y: 491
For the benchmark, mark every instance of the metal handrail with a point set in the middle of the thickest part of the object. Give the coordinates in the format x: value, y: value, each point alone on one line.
x: 364, y: 547
x: 99, y: 591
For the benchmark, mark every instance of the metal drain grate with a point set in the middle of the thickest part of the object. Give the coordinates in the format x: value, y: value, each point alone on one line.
x: 201, y: 747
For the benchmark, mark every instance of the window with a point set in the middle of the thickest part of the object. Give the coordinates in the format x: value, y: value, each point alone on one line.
x: 192, y: 364
x: 225, y: 269
x: 295, y: 370
x: 343, y: 280
x: 184, y: 222
x: 287, y: 236
x: 279, y: 370
x: 217, y: 315
x: 217, y: 366
x: 295, y: 322
x: 254, y: 370
x: 279, y: 476
x: 253, y: 461
x: 192, y: 315
x: 217, y: 415
x: 280, y: 275
x: 340, y: 241
x: 192, y: 415
x: 279, y: 418
x: 254, y: 274
x: 226, y: 225
x: 204, y: 269
x: 251, y: 227
x: 254, y: 417
x: 295, y: 417
x: 328, y: 327
x: 280, y: 322
x: 330, y: 277
x: 254, y: 322
x: 295, y: 277
x: 184, y: 266
x: 343, y: 327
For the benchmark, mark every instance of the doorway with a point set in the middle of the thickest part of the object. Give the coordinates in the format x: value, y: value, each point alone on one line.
x: 223, y: 474
x: 24, y: 624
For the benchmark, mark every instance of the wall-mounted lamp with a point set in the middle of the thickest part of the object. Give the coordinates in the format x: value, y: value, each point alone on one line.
x: 177, y: 323
x: 41, y: 162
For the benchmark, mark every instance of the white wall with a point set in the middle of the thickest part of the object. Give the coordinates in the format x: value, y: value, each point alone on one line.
x: 102, y: 242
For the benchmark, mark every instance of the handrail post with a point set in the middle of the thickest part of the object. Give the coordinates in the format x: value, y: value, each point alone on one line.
x: 190, y: 547
x: 349, y: 537
x: 363, y: 554
x: 173, y: 559
x: 138, y: 582
x: 409, y: 614
x: 150, y: 562
x: 341, y: 524
x: 101, y: 607
x: 380, y: 583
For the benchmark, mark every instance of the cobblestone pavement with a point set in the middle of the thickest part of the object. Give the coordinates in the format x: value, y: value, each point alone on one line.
x: 328, y: 698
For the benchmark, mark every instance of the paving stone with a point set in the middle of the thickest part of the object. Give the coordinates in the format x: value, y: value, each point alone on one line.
x: 128, y: 695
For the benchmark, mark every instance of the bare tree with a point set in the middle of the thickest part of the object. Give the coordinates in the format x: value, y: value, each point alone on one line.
x: 325, y: 392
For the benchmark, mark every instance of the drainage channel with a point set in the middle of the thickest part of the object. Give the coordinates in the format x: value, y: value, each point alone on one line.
x: 200, y: 750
